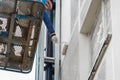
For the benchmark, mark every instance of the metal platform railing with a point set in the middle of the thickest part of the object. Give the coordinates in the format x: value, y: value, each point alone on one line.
x: 21, y: 23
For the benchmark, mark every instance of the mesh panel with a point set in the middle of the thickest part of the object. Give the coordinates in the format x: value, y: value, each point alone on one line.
x: 22, y: 24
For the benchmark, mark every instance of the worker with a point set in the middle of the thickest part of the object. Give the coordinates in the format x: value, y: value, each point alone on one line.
x: 25, y: 9
x: 47, y: 21
x: 46, y: 18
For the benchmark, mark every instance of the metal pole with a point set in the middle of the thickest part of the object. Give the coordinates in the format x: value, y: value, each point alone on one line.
x: 58, y: 46
x: 49, y: 54
x: 40, y: 55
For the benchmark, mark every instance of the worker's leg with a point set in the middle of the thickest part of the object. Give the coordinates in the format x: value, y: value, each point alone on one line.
x: 47, y: 21
x: 49, y: 25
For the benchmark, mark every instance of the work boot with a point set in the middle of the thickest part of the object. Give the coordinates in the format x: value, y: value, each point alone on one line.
x: 54, y: 38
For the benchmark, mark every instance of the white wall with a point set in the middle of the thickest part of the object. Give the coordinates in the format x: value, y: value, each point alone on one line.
x: 76, y: 64
x: 66, y: 20
x: 115, y: 13
x: 70, y: 65
x: 105, y: 71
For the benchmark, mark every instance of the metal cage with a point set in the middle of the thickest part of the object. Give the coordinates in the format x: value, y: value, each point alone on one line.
x: 21, y: 20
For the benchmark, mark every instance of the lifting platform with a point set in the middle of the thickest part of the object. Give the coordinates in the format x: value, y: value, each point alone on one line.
x: 21, y: 20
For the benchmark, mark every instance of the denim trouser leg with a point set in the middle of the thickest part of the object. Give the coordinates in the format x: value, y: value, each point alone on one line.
x: 47, y: 21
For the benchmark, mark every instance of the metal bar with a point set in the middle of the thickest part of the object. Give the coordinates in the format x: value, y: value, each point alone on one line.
x: 26, y: 48
x: 19, y: 16
x: 49, y: 60
x: 58, y: 46
x: 40, y: 55
x: 10, y: 37
x: 100, y: 57
x: 49, y: 72
x: 17, y: 42
x: 49, y: 54
x: 41, y: 52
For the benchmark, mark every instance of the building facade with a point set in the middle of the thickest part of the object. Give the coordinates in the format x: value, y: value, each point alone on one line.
x: 91, y: 30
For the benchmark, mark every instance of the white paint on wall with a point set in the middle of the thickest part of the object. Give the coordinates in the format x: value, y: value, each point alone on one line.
x: 77, y: 62
x: 115, y: 14
x: 66, y: 20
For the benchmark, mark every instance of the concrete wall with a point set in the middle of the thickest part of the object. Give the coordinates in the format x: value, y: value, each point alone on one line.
x: 70, y: 65
x: 111, y: 62
x: 66, y: 20
x: 77, y: 63
x: 106, y: 71
x: 115, y: 14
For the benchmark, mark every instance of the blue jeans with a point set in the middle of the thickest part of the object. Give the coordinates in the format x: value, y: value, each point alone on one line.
x: 47, y: 21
